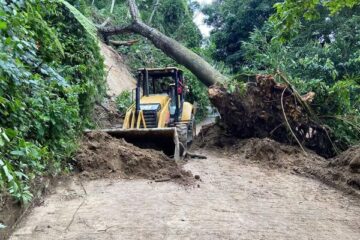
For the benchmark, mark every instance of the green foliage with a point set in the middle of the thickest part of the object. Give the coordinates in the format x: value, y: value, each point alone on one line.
x: 290, y: 13
x: 84, y: 21
x: 337, y: 106
x: 197, y: 94
x: 123, y: 101
x: 51, y: 72
x: 328, y: 68
x: 304, y: 56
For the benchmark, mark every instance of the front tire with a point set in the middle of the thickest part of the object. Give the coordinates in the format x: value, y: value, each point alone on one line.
x: 191, y: 130
x: 182, y: 132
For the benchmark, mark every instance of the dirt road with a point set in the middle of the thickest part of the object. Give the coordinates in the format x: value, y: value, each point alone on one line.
x: 233, y: 201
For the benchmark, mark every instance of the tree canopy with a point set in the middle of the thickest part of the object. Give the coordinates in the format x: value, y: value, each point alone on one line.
x: 232, y: 23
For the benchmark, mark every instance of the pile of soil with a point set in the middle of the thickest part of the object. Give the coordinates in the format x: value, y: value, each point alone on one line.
x: 342, y: 172
x: 103, y: 156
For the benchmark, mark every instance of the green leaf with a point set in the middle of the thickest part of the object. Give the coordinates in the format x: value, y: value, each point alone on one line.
x: 84, y: 21
x: 17, y: 153
x: 7, y: 174
x: 5, y: 137
x: 21, y: 175
x: 3, y: 25
x: 11, y: 133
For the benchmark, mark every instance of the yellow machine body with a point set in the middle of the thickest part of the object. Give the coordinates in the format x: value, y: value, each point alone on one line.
x: 137, y: 121
x: 133, y: 120
x: 153, y: 120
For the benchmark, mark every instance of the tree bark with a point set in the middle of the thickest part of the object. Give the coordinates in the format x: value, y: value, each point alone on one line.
x: 182, y: 55
x: 123, y: 43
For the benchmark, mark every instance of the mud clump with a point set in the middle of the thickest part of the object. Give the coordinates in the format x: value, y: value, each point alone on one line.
x: 102, y: 156
x: 342, y: 172
x: 106, y: 115
x: 347, y: 165
x: 213, y: 135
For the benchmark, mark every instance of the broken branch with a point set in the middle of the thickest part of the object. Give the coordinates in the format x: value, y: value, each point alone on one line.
x: 123, y: 43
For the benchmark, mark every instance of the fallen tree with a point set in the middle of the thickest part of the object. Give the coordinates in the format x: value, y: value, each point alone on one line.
x: 184, y: 56
x: 265, y: 109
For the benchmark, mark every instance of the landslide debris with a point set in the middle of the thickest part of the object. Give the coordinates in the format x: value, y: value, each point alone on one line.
x: 269, y: 109
x: 103, y: 156
x: 342, y: 172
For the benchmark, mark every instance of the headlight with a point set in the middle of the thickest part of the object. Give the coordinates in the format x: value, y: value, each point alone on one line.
x: 150, y: 107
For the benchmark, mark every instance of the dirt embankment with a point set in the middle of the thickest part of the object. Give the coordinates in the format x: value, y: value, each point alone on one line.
x: 118, y: 76
x: 102, y: 156
x: 342, y: 172
x: 118, y: 79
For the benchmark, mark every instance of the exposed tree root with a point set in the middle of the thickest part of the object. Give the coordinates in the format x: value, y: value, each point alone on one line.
x: 271, y: 109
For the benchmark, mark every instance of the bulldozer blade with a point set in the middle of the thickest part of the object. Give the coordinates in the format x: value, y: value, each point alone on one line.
x: 161, y: 139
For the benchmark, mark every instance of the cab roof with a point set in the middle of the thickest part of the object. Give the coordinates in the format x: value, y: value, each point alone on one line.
x: 160, y: 72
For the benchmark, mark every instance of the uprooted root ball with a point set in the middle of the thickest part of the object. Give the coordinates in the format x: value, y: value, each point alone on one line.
x: 271, y: 109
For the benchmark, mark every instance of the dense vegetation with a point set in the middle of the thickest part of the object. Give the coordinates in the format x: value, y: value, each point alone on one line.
x: 51, y: 72
x: 232, y: 23
x: 316, y: 47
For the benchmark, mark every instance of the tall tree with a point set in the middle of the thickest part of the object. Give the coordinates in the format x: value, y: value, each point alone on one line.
x: 290, y: 13
x: 233, y: 21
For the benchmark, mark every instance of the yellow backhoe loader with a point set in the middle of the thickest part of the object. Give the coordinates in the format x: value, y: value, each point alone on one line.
x: 160, y: 118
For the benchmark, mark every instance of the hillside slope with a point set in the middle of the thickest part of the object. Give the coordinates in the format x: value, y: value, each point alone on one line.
x: 118, y: 76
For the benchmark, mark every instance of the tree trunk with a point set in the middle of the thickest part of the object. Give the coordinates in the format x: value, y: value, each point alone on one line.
x: 182, y: 55
x: 123, y: 43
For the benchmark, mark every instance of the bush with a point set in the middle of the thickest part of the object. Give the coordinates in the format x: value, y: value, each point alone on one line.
x: 123, y: 101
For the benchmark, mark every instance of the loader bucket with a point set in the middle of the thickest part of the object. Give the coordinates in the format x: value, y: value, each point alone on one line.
x: 162, y: 139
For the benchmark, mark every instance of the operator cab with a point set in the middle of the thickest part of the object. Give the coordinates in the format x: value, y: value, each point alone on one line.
x: 161, y: 82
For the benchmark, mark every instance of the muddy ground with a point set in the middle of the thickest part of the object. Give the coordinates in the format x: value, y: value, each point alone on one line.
x: 245, y: 189
x: 235, y: 199
x: 342, y: 172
